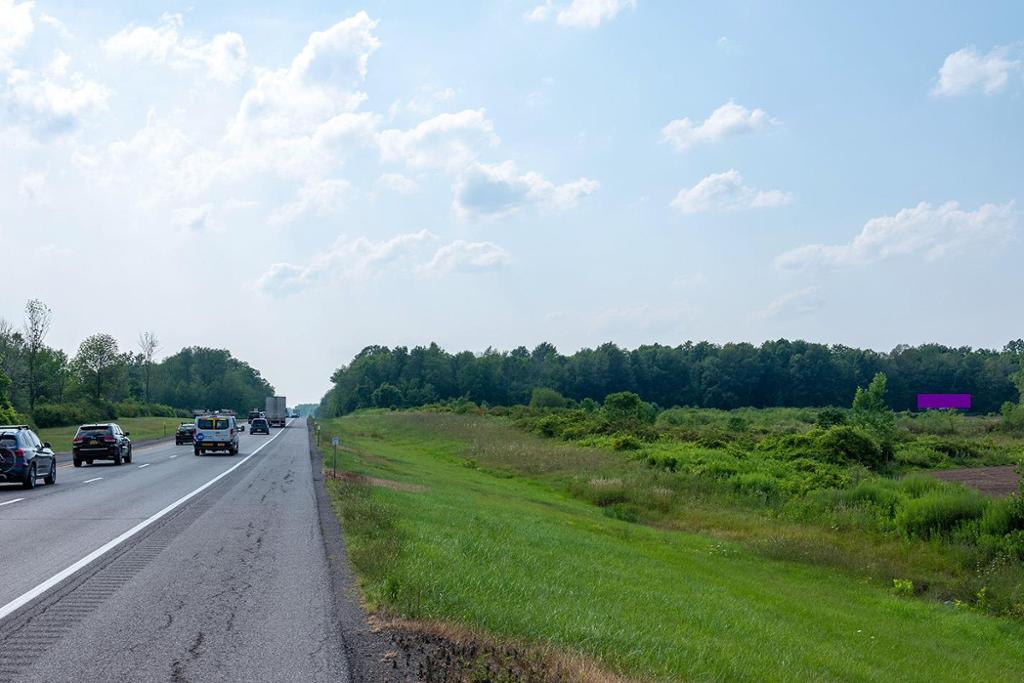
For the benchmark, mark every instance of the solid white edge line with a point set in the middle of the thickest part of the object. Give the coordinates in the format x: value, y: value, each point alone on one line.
x: 34, y: 593
x: 145, y: 465
x: 89, y: 481
x: 8, y: 502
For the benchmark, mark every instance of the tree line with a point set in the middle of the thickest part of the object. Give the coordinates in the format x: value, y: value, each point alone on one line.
x: 102, y: 380
x: 776, y: 373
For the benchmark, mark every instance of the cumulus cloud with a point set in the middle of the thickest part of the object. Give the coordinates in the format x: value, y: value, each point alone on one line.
x: 967, y: 71
x: 806, y: 300
x: 448, y: 141
x: 726, y: 192
x: 729, y: 120
x: 16, y: 28
x: 930, y: 232
x: 50, y: 102
x: 222, y: 58
x: 467, y: 257
x: 321, y: 83
x: 358, y: 259
x: 322, y: 196
x: 196, y: 219
x: 493, y: 190
x: 580, y: 13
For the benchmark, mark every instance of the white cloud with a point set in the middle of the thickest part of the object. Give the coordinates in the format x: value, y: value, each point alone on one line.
x: 967, y: 70
x: 396, y: 182
x: 806, y: 300
x: 493, y: 190
x: 51, y: 102
x: 222, y: 58
x: 580, y: 13
x: 426, y: 101
x: 465, y: 256
x: 56, y: 24
x: 726, y: 192
x: 728, y: 120
x: 321, y: 83
x: 347, y: 260
x: 16, y: 28
x: 322, y: 196
x: 924, y: 230
x: 447, y: 141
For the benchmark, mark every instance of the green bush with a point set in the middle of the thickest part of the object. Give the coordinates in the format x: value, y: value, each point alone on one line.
x: 917, y: 485
x: 62, y: 414
x: 917, y: 454
x: 939, y: 512
x: 626, y: 442
x: 830, y: 417
x: 1003, y: 516
x: 544, y: 398
x: 755, y: 483
x: 883, y: 494
x: 843, y: 444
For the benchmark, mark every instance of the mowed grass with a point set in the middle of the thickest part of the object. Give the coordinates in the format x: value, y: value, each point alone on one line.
x: 514, y: 554
x: 141, y: 429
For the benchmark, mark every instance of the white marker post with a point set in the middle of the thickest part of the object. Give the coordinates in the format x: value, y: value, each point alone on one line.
x: 334, y: 461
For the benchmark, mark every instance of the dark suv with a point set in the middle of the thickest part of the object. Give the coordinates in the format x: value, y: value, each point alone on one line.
x: 101, y: 442
x: 259, y: 425
x: 23, y: 458
x: 186, y: 433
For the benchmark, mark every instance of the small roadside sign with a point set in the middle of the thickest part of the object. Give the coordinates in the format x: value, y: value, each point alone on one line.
x: 335, y: 441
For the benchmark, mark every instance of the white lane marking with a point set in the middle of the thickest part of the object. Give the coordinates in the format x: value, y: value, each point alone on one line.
x: 8, y: 502
x: 172, y: 457
x: 89, y: 481
x: 34, y: 593
x: 146, y: 465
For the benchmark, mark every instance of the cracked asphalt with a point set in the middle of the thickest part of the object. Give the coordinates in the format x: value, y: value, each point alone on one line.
x: 233, y: 586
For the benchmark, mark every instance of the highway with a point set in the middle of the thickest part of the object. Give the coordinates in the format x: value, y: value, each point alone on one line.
x: 173, y: 568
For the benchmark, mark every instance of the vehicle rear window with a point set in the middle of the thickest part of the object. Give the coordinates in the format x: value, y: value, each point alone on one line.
x: 212, y: 423
x: 259, y: 422
x: 8, y: 441
x: 93, y: 430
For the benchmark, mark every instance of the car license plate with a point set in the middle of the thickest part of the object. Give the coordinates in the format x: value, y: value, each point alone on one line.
x: 93, y: 442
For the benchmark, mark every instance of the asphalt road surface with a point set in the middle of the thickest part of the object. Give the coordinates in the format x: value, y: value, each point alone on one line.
x: 139, y: 573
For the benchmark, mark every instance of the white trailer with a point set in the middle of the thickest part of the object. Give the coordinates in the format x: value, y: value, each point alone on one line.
x: 277, y: 411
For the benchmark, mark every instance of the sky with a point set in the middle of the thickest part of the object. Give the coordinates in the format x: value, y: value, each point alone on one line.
x: 296, y: 181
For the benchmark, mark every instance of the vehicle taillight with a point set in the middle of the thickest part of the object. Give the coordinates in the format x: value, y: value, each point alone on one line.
x: 109, y: 439
x: 79, y: 439
x: 19, y: 454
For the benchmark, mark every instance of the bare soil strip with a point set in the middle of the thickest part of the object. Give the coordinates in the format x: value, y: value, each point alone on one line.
x: 993, y: 481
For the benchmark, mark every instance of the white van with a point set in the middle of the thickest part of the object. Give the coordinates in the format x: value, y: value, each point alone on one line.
x: 216, y: 433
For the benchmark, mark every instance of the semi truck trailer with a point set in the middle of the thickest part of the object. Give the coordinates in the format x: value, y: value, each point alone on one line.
x: 277, y: 411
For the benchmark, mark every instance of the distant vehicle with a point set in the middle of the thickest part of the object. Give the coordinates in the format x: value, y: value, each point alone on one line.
x: 23, y: 458
x: 241, y: 428
x: 293, y: 414
x: 216, y: 433
x: 277, y: 411
x: 259, y: 426
x: 101, y: 441
x: 253, y: 414
x: 186, y: 433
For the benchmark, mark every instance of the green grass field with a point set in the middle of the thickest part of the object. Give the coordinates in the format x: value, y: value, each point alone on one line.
x: 141, y: 429
x: 472, y: 522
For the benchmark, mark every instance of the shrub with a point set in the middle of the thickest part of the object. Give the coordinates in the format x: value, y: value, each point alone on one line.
x: 544, y: 398
x: 755, y: 483
x: 880, y: 493
x: 849, y: 444
x: 917, y: 454
x: 917, y: 485
x: 939, y: 512
x: 61, y: 414
x: 830, y: 417
x: 1003, y: 516
x: 626, y: 442
x: 625, y: 408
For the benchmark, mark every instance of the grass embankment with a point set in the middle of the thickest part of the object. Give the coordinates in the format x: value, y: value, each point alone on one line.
x: 141, y: 429
x: 471, y: 521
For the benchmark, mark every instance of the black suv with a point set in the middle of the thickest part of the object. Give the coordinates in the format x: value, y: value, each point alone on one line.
x: 101, y: 442
x: 186, y: 433
x: 259, y: 425
x: 23, y: 458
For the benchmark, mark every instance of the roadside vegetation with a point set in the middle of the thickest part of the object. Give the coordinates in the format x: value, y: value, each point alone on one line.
x: 45, y: 387
x: 690, y: 544
x: 141, y: 429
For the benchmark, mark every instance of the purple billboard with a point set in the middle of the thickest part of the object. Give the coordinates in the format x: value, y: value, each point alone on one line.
x: 943, y: 401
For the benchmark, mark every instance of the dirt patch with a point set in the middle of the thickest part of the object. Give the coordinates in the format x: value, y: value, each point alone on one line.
x: 993, y: 481
x: 355, y: 478
x: 443, y: 653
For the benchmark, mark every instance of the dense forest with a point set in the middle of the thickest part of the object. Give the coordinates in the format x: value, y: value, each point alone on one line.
x: 100, y: 380
x: 776, y: 373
